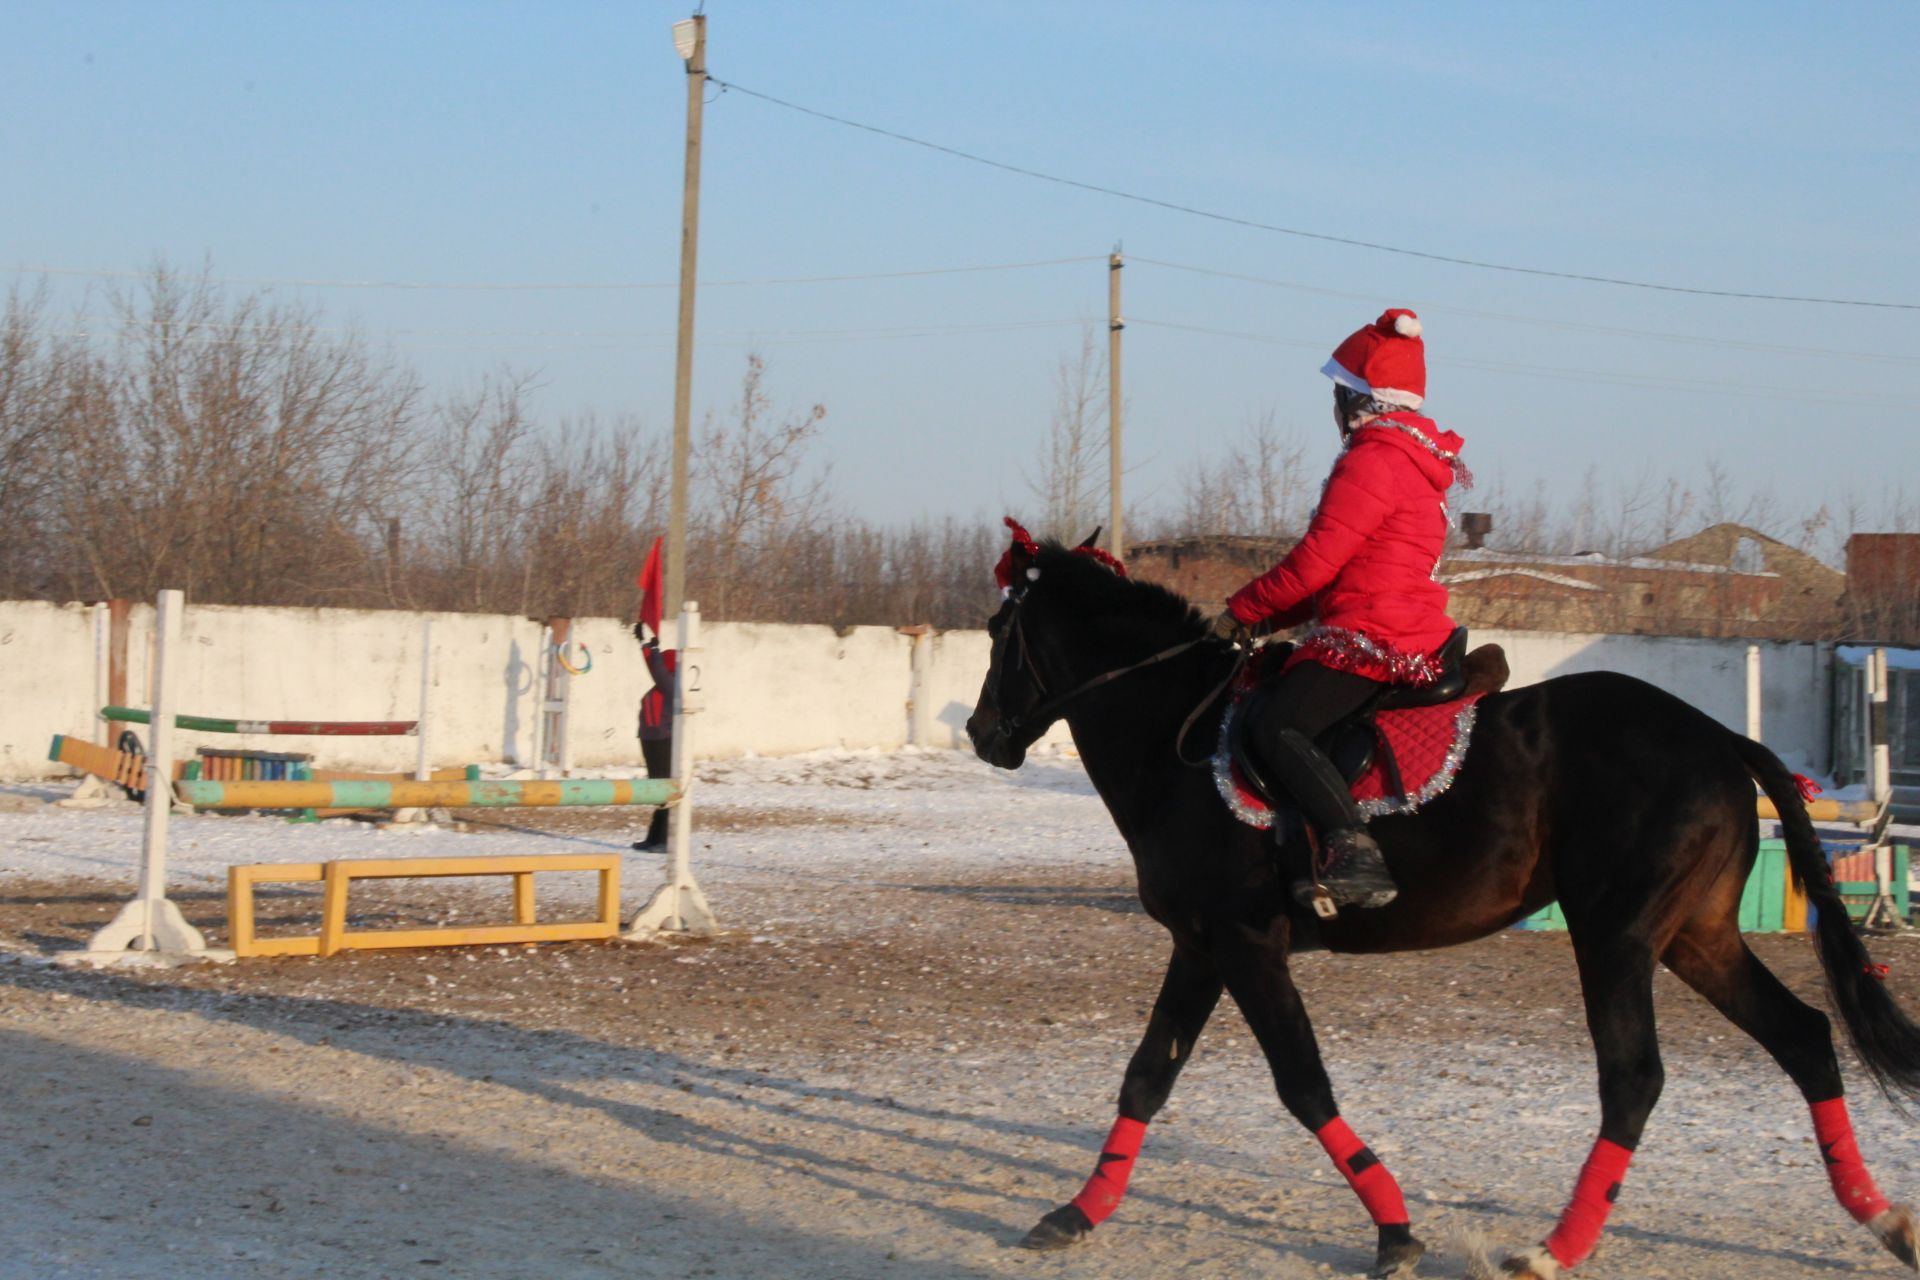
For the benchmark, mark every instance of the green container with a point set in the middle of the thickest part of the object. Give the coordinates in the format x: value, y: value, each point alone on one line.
x: 1763, y: 905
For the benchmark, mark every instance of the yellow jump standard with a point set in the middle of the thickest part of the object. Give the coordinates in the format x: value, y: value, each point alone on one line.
x: 335, y: 876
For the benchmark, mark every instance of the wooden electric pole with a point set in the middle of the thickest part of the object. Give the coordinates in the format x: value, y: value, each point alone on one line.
x: 1116, y: 544
x: 690, y: 40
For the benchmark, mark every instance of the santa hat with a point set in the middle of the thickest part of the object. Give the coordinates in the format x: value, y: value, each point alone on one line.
x: 1386, y: 360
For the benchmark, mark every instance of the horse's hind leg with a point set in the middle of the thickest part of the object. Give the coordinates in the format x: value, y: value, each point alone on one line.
x: 1187, y: 997
x: 1616, y: 979
x: 1710, y: 956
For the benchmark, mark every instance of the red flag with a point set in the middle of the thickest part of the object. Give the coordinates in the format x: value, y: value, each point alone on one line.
x: 653, y: 586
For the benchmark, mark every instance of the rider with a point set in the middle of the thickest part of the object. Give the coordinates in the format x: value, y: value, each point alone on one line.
x: 1363, y: 575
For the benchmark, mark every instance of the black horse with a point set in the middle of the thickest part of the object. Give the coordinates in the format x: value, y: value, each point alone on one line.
x: 1632, y: 809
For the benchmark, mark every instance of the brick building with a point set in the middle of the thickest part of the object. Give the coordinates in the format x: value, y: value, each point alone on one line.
x: 1883, y: 588
x: 1726, y: 580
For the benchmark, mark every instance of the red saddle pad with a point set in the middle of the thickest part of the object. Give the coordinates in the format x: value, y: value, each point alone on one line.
x: 1428, y: 744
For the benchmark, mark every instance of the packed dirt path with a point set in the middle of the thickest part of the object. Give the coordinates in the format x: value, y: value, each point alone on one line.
x: 868, y: 1076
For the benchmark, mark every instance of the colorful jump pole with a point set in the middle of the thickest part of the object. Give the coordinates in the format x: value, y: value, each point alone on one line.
x: 311, y: 728
x: 425, y: 795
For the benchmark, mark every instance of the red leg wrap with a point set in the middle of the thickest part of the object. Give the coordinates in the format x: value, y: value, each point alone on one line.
x: 1102, y: 1194
x: 1364, y: 1173
x: 1593, y: 1195
x: 1852, y: 1184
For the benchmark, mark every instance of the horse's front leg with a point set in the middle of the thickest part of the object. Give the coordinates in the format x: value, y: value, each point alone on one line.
x: 1187, y: 996
x: 1254, y: 960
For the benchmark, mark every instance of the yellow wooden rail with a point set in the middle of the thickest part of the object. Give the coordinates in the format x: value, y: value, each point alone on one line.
x: 1827, y: 810
x: 335, y: 876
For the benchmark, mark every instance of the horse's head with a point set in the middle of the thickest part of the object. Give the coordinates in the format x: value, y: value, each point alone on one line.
x: 1030, y: 674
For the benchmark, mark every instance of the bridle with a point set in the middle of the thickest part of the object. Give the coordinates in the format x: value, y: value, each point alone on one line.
x: 1015, y: 639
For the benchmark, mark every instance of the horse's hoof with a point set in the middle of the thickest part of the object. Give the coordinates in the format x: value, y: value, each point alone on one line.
x: 1534, y: 1264
x: 1399, y: 1253
x: 1894, y: 1228
x: 1063, y: 1227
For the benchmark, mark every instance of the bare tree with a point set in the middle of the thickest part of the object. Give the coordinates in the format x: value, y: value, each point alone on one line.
x: 232, y: 450
x: 600, y: 495
x: 1071, y: 475
x: 1260, y: 489
x: 34, y: 381
x: 753, y: 499
x: 476, y: 496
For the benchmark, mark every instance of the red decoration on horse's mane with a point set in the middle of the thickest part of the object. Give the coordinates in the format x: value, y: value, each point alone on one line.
x: 1106, y: 558
x: 1021, y: 537
x: 1808, y: 787
x: 1003, y: 572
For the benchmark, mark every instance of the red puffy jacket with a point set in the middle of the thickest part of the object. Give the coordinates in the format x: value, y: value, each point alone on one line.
x: 1364, y: 571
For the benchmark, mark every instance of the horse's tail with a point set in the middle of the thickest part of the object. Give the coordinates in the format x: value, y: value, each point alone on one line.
x: 1886, y: 1039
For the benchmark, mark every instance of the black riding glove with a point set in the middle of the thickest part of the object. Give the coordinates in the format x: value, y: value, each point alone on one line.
x: 1229, y: 628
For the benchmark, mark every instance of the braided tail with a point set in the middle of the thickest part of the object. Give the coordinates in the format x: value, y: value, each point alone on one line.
x: 1886, y: 1039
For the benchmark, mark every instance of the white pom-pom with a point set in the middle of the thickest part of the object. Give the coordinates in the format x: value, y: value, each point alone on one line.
x: 1407, y: 326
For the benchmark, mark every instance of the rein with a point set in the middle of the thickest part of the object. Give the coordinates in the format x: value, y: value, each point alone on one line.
x: 1010, y: 725
x: 1240, y: 659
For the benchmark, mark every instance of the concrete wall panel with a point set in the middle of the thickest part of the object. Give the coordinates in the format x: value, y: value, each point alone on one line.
x: 771, y: 689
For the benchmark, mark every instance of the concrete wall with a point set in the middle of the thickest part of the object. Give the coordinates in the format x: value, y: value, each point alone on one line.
x: 46, y: 682
x: 771, y: 689
x: 1796, y: 687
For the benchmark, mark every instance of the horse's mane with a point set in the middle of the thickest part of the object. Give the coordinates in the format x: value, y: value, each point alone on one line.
x: 1099, y: 589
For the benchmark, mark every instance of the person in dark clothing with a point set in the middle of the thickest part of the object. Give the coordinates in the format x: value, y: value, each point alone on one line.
x: 656, y: 727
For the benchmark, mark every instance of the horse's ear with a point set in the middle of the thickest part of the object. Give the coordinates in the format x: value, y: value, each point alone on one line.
x: 1018, y: 560
x: 1090, y: 539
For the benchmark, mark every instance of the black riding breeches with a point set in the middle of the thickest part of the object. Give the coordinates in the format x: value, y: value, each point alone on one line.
x: 1312, y: 699
x: 1289, y: 714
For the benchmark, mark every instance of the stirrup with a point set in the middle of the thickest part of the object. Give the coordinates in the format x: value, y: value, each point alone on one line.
x: 1352, y: 873
x: 1311, y: 893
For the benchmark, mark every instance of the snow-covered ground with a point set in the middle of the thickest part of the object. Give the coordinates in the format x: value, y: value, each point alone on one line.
x: 404, y: 1117
x: 832, y: 812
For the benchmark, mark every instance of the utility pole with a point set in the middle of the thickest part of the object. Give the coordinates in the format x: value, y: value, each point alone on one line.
x: 690, y: 41
x: 1116, y: 544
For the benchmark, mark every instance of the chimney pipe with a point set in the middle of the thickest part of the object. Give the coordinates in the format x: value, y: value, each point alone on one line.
x: 1476, y: 525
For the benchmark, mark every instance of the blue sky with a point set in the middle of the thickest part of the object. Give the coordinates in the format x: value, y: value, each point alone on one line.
x: 1760, y: 148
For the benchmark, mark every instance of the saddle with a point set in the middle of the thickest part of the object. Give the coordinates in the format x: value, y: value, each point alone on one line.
x: 1364, y: 745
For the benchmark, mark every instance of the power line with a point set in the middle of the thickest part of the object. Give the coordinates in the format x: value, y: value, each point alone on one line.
x: 1573, y: 326
x: 208, y: 333
x: 1652, y: 381
x: 556, y: 286
x: 1476, y: 263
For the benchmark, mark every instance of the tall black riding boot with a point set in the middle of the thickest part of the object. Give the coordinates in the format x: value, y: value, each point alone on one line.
x: 1353, y: 872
